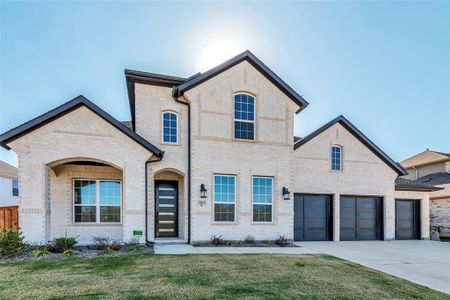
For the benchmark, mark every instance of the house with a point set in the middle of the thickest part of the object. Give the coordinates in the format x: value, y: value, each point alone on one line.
x: 433, y: 168
x: 9, y: 196
x: 208, y: 155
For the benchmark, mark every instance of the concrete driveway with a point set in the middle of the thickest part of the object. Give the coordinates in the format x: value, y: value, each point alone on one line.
x: 423, y: 262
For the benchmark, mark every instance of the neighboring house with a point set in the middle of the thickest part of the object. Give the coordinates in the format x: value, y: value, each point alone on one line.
x: 433, y: 168
x: 212, y: 154
x: 9, y: 185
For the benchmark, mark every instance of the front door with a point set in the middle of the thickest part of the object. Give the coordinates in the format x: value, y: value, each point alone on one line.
x: 407, y: 219
x: 166, y: 209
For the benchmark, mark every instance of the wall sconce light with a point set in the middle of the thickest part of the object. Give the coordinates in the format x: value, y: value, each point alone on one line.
x: 203, y: 191
x: 286, y: 193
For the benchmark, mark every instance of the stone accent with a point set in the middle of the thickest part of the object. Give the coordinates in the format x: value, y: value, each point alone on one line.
x: 440, y: 215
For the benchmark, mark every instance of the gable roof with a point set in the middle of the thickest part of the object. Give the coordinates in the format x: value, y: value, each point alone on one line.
x: 133, y: 76
x: 360, y: 136
x: 404, y: 184
x: 66, y: 108
x: 424, y: 158
x: 255, y: 62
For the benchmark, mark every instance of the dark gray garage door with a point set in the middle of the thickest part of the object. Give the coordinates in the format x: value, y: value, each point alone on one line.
x: 407, y: 219
x: 360, y: 218
x: 312, y: 217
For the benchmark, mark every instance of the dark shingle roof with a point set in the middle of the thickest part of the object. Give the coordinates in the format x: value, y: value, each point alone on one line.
x: 436, y: 178
x: 296, y: 139
x: 414, y: 185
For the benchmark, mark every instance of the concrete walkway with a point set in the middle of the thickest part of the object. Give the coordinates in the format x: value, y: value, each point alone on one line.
x: 179, y: 249
x: 423, y: 262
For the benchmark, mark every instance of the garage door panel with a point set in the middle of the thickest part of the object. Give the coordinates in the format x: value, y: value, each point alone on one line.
x: 311, y: 217
x: 360, y: 218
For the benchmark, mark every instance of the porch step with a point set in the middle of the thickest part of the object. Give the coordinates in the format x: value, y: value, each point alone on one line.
x: 170, y: 241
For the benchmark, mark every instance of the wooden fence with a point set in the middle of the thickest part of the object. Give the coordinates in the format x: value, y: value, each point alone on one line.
x: 9, y: 218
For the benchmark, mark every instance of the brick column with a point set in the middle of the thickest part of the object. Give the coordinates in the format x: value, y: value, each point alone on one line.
x: 336, y: 217
x: 425, y: 217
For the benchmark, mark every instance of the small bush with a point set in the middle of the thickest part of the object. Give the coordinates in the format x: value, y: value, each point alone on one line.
x: 249, y: 239
x: 267, y: 242
x: 282, y: 241
x: 135, y: 248
x: 68, y: 253
x: 38, y: 252
x: 231, y: 243
x: 217, y: 240
x: 61, y: 244
x: 106, y: 251
x: 106, y: 243
x: 11, y: 243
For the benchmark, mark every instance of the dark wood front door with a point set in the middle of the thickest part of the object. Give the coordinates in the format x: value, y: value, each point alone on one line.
x: 166, y: 209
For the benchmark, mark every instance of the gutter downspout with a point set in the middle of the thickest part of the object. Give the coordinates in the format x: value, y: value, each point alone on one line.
x: 146, y: 195
x: 174, y: 92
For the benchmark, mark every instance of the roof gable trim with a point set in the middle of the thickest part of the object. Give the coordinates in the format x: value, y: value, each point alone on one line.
x: 360, y: 136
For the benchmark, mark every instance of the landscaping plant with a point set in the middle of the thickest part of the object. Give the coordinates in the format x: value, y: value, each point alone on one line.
x: 217, y: 240
x: 61, y: 244
x: 282, y: 241
x: 231, y: 243
x: 11, y: 243
x: 38, y: 252
x: 68, y: 253
x: 102, y: 243
x: 249, y: 239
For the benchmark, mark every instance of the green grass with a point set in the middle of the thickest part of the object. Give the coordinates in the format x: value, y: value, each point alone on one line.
x: 445, y: 239
x: 204, y: 277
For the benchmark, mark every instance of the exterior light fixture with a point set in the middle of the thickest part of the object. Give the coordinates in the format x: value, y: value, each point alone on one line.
x: 203, y: 191
x: 286, y: 193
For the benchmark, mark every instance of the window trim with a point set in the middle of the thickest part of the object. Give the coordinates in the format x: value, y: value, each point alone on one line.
x: 245, y: 121
x: 97, y: 202
x: 273, y: 200
x: 214, y: 202
x: 13, y: 188
x: 167, y: 111
x: 341, y: 161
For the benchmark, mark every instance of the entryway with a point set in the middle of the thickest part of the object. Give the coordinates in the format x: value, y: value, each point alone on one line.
x: 166, y: 208
x: 407, y: 219
x: 312, y: 217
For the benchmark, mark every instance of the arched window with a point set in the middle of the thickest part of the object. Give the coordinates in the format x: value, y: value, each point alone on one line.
x: 170, y: 129
x: 244, y: 117
x: 336, y: 158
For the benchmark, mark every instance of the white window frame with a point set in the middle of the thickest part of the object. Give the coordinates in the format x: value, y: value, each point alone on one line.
x: 340, y: 158
x: 162, y: 126
x: 214, y: 200
x: 272, y: 203
x: 97, y: 201
x: 245, y: 121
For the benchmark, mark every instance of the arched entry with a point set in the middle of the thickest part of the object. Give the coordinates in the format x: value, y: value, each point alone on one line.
x: 169, y: 203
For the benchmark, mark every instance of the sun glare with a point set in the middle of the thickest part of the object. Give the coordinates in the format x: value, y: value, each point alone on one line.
x: 217, y: 52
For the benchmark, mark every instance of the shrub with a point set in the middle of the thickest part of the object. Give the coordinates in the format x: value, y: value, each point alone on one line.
x: 135, y: 248
x: 106, y: 251
x: 267, y: 242
x: 106, y: 243
x: 38, y: 252
x: 61, y: 244
x: 231, y: 243
x: 282, y: 241
x: 133, y: 245
x: 217, y: 240
x: 68, y: 253
x: 249, y: 239
x: 11, y: 243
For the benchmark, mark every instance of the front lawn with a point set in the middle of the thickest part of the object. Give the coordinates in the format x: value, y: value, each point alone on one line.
x: 204, y: 277
x: 445, y: 239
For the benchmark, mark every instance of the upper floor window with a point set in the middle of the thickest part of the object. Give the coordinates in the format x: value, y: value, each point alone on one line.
x: 224, y: 198
x: 244, y: 117
x: 170, y: 134
x: 15, y: 187
x: 336, y: 158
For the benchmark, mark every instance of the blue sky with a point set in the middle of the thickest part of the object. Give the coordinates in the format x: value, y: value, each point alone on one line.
x: 384, y: 65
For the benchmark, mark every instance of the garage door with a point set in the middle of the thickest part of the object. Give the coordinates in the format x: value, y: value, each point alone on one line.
x: 312, y: 217
x: 407, y: 219
x: 360, y: 218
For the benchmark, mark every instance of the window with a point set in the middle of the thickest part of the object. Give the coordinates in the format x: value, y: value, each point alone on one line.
x: 96, y: 201
x: 262, y: 199
x: 336, y: 158
x: 15, y: 187
x: 170, y: 128
x: 244, y: 117
x: 224, y: 198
